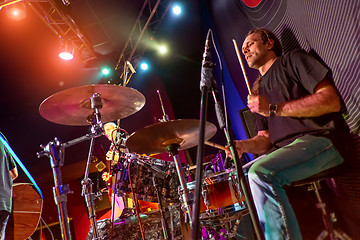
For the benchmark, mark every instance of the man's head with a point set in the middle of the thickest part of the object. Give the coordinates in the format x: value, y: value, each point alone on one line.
x: 259, y: 46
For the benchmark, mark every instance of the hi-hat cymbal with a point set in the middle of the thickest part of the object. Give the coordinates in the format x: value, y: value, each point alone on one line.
x: 154, y: 139
x: 73, y: 106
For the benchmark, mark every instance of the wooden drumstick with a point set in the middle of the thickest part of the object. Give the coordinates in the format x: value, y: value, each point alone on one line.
x: 215, y: 145
x: 242, y: 66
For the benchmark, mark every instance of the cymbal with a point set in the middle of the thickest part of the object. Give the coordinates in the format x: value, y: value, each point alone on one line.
x: 154, y: 139
x: 73, y: 106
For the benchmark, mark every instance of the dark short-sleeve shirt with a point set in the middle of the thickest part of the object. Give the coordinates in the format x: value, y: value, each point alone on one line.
x: 7, y: 163
x: 293, y: 76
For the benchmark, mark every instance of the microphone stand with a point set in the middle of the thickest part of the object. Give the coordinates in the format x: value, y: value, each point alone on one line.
x: 207, y: 82
x: 239, y: 169
x: 204, y: 87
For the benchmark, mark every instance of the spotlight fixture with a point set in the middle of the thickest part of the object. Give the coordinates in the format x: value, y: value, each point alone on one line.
x: 66, y: 50
x: 163, y: 49
x: 16, y: 10
x: 105, y: 70
x: 176, y: 9
x: 144, y: 66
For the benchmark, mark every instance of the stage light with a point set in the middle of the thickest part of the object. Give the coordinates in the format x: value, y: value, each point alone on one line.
x: 16, y: 11
x: 163, y: 49
x: 105, y: 70
x: 176, y: 10
x: 144, y: 66
x: 66, y: 50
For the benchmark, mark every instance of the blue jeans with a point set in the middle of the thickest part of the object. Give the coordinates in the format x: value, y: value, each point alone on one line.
x: 298, y: 160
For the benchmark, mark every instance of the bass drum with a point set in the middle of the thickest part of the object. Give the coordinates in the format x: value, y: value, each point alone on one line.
x: 129, y: 229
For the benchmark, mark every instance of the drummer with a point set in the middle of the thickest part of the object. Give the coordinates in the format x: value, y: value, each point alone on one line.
x: 299, y: 125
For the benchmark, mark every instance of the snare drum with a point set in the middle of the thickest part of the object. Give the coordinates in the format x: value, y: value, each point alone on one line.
x: 220, y: 194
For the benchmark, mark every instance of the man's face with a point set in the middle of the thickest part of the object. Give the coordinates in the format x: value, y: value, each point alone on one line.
x: 254, y: 50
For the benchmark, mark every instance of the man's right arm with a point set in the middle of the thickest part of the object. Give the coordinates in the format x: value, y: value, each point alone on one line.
x: 259, y: 144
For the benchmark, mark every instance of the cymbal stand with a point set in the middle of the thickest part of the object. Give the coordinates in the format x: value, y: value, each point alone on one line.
x: 173, y: 150
x: 97, y: 128
x: 55, y: 152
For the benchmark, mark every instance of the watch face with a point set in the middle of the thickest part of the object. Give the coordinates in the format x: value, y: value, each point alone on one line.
x: 272, y: 110
x: 272, y: 107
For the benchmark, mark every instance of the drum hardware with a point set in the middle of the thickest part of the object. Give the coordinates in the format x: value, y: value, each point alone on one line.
x: 164, y: 224
x: 204, y: 193
x: 80, y: 106
x: 170, y: 136
x: 157, y: 173
x: 55, y: 151
x: 158, y: 170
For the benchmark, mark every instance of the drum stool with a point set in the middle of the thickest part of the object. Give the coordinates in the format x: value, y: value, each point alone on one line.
x: 313, y: 184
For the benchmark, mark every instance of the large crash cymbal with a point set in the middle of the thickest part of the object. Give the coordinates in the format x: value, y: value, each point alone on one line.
x: 154, y: 139
x: 73, y: 106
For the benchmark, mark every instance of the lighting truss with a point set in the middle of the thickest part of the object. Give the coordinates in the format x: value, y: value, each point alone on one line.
x: 64, y: 26
x: 151, y: 14
x: 61, y: 24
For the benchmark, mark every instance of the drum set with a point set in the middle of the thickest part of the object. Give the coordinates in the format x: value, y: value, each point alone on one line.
x: 164, y: 186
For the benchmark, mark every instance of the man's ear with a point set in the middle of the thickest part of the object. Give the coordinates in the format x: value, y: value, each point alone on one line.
x: 270, y: 44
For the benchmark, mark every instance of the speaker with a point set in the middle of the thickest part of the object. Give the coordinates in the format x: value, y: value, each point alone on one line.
x: 248, y: 120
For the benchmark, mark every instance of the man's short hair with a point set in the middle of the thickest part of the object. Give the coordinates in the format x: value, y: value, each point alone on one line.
x: 266, y: 35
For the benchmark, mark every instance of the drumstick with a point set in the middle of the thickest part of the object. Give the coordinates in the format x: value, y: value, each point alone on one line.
x: 242, y: 66
x: 215, y: 145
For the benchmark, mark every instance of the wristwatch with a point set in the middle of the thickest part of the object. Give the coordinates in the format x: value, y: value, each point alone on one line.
x: 272, y: 109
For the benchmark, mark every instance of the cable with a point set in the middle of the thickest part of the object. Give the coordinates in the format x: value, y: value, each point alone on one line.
x: 52, y: 235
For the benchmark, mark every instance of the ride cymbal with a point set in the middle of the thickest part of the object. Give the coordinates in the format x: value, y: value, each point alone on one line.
x: 73, y: 106
x: 154, y: 139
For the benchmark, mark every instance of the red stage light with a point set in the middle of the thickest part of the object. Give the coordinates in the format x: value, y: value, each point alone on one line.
x: 16, y: 11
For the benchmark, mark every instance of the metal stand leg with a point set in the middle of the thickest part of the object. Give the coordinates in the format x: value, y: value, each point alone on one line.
x: 54, y: 151
x: 173, y: 151
x: 328, y: 219
x: 164, y: 224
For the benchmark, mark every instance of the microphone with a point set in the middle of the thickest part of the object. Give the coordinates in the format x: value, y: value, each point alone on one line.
x: 130, y: 66
x: 206, y: 65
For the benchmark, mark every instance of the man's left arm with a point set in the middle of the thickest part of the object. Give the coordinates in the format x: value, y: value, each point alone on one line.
x: 325, y: 99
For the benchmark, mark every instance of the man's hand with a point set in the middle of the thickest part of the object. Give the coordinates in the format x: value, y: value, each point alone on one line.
x: 258, y: 104
x: 238, y: 147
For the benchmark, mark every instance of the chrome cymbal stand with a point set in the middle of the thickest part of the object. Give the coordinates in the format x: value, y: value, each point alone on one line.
x: 97, y: 129
x: 173, y: 150
x: 56, y: 152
